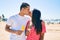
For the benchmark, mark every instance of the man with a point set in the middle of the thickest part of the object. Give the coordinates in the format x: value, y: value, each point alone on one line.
x: 16, y: 24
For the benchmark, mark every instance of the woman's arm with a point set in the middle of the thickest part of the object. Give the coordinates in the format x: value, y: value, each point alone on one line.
x: 27, y: 28
x: 43, y: 31
x: 42, y: 36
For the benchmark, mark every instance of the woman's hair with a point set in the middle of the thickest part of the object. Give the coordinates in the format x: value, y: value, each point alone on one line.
x: 36, y: 15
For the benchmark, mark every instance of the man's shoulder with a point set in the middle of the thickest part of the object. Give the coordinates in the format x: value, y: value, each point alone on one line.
x: 13, y: 16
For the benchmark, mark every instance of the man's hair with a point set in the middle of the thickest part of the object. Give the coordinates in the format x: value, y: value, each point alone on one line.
x: 24, y: 5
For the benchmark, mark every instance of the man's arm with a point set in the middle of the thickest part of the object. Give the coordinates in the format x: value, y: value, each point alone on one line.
x: 18, y: 32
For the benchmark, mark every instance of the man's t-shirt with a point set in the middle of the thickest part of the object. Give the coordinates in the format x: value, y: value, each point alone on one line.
x: 16, y: 22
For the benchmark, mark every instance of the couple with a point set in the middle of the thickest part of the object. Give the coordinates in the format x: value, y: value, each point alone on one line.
x: 19, y: 25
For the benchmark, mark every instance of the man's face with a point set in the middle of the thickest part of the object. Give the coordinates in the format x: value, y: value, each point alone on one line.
x: 26, y: 10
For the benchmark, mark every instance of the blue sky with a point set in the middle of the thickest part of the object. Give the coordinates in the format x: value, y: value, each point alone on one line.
x: 50, y: 9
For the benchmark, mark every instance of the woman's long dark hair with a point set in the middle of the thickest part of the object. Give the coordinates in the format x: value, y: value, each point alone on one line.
x: 36, y: 15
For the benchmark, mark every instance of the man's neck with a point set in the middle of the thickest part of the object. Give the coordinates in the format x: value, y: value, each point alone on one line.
x: 21, y: 14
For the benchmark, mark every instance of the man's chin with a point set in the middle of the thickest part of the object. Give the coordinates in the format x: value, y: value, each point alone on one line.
x: 27, y: 14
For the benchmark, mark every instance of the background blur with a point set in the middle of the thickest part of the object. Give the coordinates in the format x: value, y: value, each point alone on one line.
x: 50, y: 11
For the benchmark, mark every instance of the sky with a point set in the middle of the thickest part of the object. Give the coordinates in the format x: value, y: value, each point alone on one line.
x: 50, y: 9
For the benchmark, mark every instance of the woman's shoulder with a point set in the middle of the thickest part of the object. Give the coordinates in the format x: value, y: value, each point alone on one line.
x: 42, y: 22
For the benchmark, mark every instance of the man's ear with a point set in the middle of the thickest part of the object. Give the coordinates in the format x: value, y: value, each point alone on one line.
x: 22, y: 9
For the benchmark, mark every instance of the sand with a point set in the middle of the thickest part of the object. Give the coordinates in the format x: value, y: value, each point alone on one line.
x: 52, y: 33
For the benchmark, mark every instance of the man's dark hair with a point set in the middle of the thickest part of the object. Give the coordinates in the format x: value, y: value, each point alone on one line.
x: 24, y: 5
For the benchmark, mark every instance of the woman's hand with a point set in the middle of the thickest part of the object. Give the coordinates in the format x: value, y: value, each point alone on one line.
x: 30, y: 14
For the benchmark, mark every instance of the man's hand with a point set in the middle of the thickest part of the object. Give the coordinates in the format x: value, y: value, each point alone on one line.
x: 18, y: 32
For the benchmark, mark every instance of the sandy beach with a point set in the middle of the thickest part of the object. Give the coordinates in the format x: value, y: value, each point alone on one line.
x: 52, y: 33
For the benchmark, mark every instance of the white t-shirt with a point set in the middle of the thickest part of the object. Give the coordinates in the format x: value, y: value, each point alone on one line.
x: 16, y: 23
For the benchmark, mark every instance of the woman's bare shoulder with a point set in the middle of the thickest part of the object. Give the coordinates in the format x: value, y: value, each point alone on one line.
x: 43, y: 22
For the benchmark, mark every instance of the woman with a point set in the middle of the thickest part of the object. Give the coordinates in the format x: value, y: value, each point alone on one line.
x: 38, y: 27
